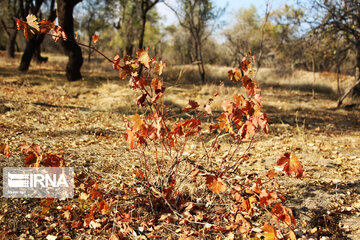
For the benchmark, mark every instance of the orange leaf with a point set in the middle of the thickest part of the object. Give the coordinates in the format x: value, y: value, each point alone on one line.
x: 271, y: 174
x: 4, y: 149
x: 159, y: 67
x: 58, y: 33
x: 130, y: 137
x: 143, y: 57
x: 292, y: 235
x: 138, y: 122
x: 139, y: 174
x: 30, y: 27
x: 269, y: 232
x: 292, y: 165
x: 156, y: 84
x: 116, y: 62
x: 46, y: 205
x: 284, y: 214
x: 215, y: 184
x: 235, y: 75
x: 103, y: 207
x: 95, y: 38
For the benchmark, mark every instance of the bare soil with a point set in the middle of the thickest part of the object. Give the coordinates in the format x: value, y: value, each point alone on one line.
x: 84, y: 121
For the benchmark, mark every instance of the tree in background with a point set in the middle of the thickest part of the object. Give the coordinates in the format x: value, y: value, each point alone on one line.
x: 246, y: 38
x: 8, y: 12
x: 146, y: 6
x: 130, y: 19
x: 271, y: 38
x: 71, y: 48
x: 92, y: 19
x: 199, y: 18
x: 341, y: 17
x: 32, y: 47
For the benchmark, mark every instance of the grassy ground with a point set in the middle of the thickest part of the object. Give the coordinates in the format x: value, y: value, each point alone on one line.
x: 84, y: 121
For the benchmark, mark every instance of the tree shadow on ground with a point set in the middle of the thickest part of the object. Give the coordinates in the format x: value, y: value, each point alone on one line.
x: 312, y: 119
x: 314, y: 206
x: 302, y: 87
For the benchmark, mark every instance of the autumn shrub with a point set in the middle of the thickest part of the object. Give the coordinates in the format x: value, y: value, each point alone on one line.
x: 203, y: 149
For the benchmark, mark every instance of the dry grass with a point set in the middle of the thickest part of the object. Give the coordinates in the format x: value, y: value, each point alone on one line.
x: 84, y: 121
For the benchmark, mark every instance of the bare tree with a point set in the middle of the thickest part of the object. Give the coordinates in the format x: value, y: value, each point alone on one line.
x: 146, y: 5
x: 9, y: 11
x: 72, y: 50
x: 92, y: 19
x: 342, y: 17
x: 196, y: 16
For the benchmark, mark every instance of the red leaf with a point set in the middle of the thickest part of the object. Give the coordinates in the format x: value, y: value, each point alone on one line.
x: 267, y: 198
x: 292, y: 165
x: 52, y: 160
x: 215, y: 184
x: 32, y: 160
x: 192, y: 105
x: 283, y: 214
x: 46, y: 26
x: 116, y: 62
x: 140, y: 101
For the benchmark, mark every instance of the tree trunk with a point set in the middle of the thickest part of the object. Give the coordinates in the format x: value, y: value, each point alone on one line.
x: 128, y: 50
x: 314, y: 77
x: 142, y: 33
x: 10, y: 47
x: 89, y: 50
x: 31, y: 46
x: 37, y: 55
x: 71, y: 48
x: 356, y: 90
x: 338, y: 78
x: 199, y: 60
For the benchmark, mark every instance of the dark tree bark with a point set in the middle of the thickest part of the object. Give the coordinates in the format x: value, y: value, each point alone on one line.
x: 10, y: 47
x: 343, y: 17
x: 11, y: 43
x: 146, y: 5
x: 71, y: 48
x: 37, y: 55
x: 32, y: 48
x: 195, y: 16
